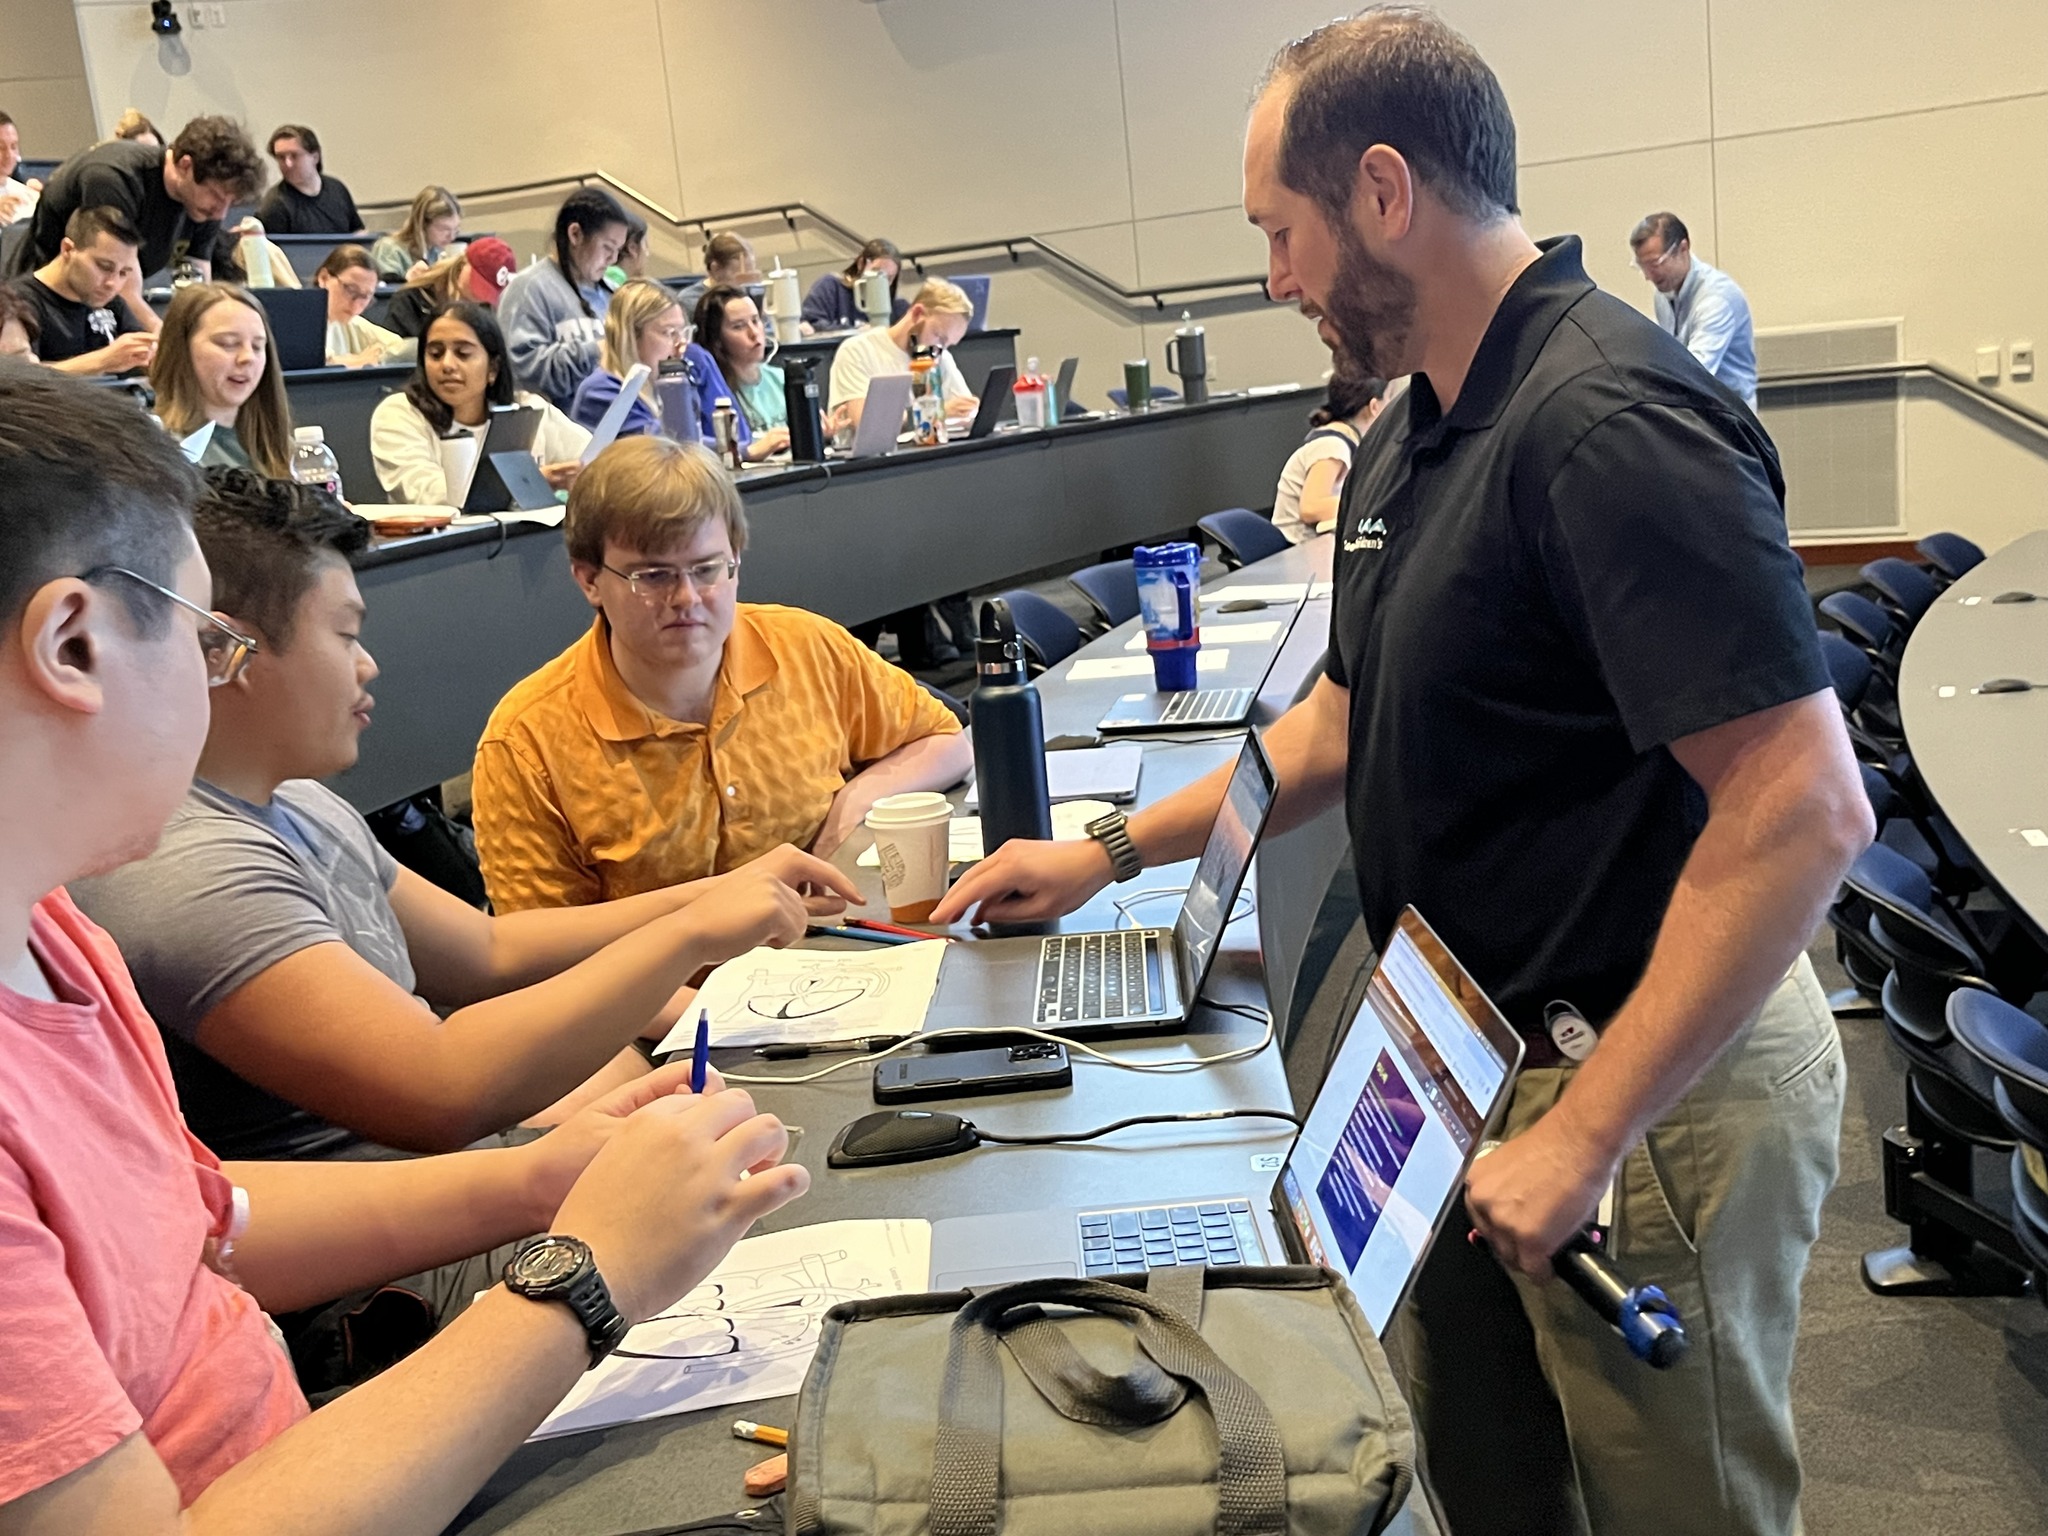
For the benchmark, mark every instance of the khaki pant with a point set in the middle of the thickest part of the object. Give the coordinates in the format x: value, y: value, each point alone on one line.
x: 1533, y: 1415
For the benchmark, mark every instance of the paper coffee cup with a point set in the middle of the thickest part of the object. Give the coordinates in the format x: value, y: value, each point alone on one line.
x: 910, y: 840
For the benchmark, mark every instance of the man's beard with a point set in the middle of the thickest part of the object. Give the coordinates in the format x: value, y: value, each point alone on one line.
x: 1371, y: 307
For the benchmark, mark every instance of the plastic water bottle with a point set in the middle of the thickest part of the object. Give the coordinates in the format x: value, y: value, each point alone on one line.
x: 1009, y: 736
x: 313, y: 462
x: 1032, y: 396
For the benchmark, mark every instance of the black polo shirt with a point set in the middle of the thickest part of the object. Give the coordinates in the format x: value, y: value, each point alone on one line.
x: 120, y: 175
x: 1537, y: 592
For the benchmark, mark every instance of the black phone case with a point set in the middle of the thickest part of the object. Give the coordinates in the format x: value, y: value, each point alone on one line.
x: 1027, y: 1067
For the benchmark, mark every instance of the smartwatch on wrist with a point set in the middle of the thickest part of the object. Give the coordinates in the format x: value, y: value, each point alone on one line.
x: 557, y: 1268
x: 1113, y: 832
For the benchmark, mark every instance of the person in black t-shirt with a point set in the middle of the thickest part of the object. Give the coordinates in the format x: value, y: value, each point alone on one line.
x: 174, y: 198
x: 1575, y: 711
x: 86, y: 329
x: 306, y: 200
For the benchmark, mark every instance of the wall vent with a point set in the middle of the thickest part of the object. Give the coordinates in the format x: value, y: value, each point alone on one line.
x: 1843, y: 443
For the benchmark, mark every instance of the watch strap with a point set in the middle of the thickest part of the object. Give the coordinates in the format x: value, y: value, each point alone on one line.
x: 1113, y: 832
x: 583, y: 1292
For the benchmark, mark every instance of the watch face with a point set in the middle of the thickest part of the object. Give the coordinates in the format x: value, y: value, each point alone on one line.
x: 548, y: 1263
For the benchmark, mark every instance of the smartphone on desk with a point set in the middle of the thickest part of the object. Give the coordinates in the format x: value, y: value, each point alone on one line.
x: 1027, y: 1067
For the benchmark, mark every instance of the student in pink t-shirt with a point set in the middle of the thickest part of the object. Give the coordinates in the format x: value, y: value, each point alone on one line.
x: 138, y: 1374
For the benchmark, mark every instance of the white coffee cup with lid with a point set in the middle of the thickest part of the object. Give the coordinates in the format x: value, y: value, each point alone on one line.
x: 911, y: 843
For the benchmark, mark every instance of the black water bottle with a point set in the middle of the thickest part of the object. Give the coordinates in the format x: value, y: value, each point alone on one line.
x: 1009, y: 736
x: 800, y: 395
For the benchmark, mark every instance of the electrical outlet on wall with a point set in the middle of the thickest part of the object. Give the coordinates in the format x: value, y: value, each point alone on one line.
x: 1989, y: 365
x: 216, y: 15
x: 195, y: 17
x: 2019, y: 361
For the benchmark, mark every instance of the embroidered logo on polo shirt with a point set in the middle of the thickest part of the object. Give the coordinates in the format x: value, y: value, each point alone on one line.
x: 1371, y: 534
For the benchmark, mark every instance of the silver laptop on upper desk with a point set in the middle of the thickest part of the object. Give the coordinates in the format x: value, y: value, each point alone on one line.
x: 881, y: 416
x: 1425, y: 1066
x: 1123, y: 981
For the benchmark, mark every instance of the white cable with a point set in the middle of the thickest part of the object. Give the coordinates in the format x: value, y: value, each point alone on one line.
x: 1074, y: 1047
x: 1244, y: 906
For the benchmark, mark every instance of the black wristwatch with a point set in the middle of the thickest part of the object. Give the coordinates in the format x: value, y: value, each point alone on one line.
x: 1113, y: 832
x: 556, y: 1268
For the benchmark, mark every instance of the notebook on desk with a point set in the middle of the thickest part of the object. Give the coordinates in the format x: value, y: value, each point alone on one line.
x: 1425, y: 1066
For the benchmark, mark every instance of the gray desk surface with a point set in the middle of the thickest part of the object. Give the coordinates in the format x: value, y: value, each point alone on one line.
x: 456, y: 618
x: 1981, y: 754
x: 688, y: 1466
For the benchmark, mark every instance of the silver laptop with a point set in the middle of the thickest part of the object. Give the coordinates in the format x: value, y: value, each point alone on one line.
x: 1125, y: 980
x: 1424, y: 1067
x: 881, y: 415
x: 1063, y: 389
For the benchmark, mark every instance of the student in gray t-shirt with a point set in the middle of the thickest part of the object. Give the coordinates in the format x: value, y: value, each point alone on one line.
x: 295, y: 969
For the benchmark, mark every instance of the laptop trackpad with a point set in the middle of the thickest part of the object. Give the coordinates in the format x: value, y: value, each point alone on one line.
x: 992, y: 1250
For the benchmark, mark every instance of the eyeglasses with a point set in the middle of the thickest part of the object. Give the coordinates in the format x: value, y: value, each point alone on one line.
x: 1644, y: 263
x: 662, y: 583
x: 226, y: 649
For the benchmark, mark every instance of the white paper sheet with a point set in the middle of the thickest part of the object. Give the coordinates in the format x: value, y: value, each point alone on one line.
x: 749, y: 1331
x: 1070, y: 820
x: 1207, y: 660
x: 1285, y: 592
x: 773, y: 996
x: 1221, y: 634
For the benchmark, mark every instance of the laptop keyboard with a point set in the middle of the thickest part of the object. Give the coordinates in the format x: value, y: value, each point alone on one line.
x: 1084, y: 977
x: 1163, y: 1236
x: 1206, y: 706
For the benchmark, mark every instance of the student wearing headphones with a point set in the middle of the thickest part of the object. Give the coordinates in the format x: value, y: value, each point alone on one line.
x: 553, y: 311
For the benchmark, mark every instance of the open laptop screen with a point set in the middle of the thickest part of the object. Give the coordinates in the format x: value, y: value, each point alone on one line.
x: 1425, y: 1063
x: 1220, y: 875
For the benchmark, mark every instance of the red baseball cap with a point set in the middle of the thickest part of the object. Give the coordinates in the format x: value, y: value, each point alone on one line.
x: 491, y: 265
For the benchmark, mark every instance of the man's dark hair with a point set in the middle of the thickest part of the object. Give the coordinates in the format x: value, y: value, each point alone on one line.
x: 502, y: 390
x: 87, y: 224
x: 6, y: 121
x: 221, y: 154
x: 87, y: 480
x: 306, y: 137
x: 265, y: 540
x: 1396, y: 75
x: 1666, y: 227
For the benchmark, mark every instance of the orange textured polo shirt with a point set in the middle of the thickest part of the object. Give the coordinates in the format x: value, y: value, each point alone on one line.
x: 583, y: 793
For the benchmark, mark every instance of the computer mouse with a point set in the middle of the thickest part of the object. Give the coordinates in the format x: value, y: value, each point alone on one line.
x: 2014, y: 597
x: 1243, y: 605
x: 2005, y: 685
x: 900, y: 1136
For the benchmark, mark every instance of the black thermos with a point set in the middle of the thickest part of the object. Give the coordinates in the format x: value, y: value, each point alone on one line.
x: 1009, y: 736
x: 800, y: 394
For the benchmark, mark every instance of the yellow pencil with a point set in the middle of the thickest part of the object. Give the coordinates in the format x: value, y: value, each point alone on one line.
x: 766, y: 1434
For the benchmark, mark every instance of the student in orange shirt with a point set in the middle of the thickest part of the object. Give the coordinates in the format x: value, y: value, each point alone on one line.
x: 687, y: 733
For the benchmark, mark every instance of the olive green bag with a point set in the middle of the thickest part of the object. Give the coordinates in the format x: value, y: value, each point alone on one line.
x: 1246, y: 1401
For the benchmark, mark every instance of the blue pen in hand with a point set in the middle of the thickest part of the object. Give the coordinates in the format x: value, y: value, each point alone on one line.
x: 700, y: 1058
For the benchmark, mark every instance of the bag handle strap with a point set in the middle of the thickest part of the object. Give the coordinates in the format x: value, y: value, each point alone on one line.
x: 1251, y: 1480
x: 1077, y: 1390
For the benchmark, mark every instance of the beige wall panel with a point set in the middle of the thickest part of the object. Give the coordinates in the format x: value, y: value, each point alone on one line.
x: 1188, y: 71
x: 1913, y: 217
x: 1600, y: 201
x: 400, y: 116
x: 41, y: 42
x: 928, y: 121
x: 1196, y: 247
x: 1272, y: 344
x: 54, y: 115
x: 1781, y: 65
x: 1588, y: 77
x: 1984, y: 484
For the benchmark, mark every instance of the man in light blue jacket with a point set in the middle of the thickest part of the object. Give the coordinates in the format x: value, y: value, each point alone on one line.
x: 553, y: 311
x: 1699, y: 304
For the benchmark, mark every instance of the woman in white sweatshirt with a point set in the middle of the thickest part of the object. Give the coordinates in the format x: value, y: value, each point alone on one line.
x: 462, y: 372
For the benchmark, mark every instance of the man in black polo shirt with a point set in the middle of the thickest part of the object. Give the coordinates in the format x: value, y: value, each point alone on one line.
x: 306, y: 200
x: 1575, y: 708
x: 174, y: 198
x: 86, y: 329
